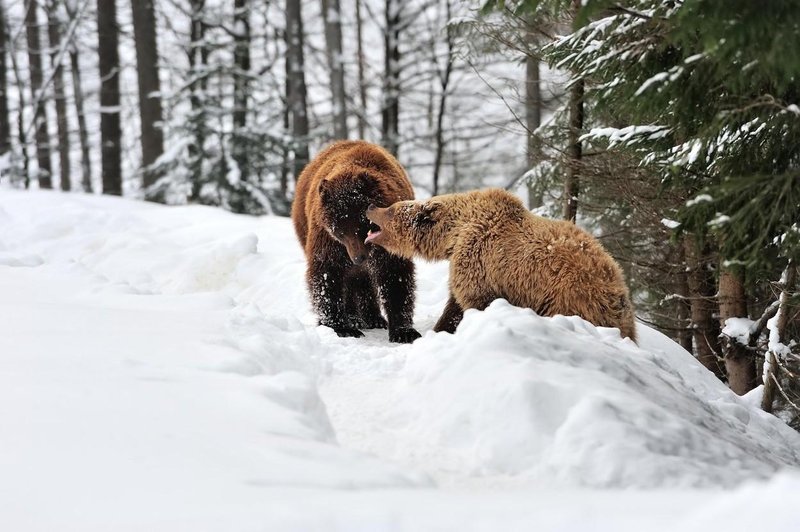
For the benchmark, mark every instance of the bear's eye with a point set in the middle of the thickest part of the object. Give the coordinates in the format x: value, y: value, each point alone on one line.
x: 423, y: 220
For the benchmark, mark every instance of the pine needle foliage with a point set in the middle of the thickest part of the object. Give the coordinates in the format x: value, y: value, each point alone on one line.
x: 706, y: 94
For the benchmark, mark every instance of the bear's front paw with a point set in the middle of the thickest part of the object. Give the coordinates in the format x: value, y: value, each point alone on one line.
x: 404, y: 335
x: 348, y: 332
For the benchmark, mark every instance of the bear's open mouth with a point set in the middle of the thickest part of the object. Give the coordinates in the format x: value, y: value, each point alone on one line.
x: 374, y: 231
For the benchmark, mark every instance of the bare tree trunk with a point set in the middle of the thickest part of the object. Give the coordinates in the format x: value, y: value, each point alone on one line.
x: 110, y: 132
x: 533, y: 119
x: 362, y: 86
x: 574, y: 151
x: 777, y: 334
x: 198, y: 56
x: 83, y: 133
x: 286, y: 124
x: 77, y: 90
x: 390, y: 128
x: 5, y: 122
x: 332, y: 15
x: 21, y: 137
x: 241, y: 58
x: 444, y: 83
x: 296, y: 99
x: 54, y: 37
x: 701, y: 296
x: 740, y: 364
x: 574, y: 147
x: 37, y: 97
x: 684, y: 308
x: 144, y: 31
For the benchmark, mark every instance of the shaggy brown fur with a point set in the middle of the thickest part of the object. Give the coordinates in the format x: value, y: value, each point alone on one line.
x: 497, y: 248
x: 346, y: 277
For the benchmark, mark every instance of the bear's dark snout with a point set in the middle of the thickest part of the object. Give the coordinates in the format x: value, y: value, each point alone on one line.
x: 358, y: 259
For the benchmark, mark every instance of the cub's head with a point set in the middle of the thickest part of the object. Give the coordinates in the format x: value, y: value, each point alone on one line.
x: 344, y: 203
x: 412, y: 228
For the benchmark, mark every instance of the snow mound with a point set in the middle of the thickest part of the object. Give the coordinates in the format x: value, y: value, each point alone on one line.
x: 527, y: 399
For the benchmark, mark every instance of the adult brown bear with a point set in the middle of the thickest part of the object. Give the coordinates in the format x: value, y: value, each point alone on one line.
x: 346, y: 277
x: 497, y: 248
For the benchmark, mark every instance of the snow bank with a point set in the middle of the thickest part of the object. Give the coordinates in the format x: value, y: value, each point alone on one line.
x: 160, y: 368
x: 535, y: 400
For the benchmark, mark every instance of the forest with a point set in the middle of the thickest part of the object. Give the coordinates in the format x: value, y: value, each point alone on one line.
x: 669, y: 129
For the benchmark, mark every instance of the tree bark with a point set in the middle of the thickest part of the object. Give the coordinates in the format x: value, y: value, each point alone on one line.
x: 5, y: 121
x: 287, y: 151
x: 198, y: 58
x: 110, y: 132
x: 45, y: 173
x: 83, y: 133
x: 332, y: 14
x: 390, y: 127
x: 241, y: 85
x: 444, y: 84
x: 296, y: 98
x: 54, y: 37
x: 740, y: 364
x: 362, y: 85
x: 150, y: 112
x: 574, y: 147
x: 777, y: 333
x: 683, y: 310
x: 533, y: 119
x: 705, y: 328
x: 21, y: 135
x: 574, y: 151
x: 77, y: 90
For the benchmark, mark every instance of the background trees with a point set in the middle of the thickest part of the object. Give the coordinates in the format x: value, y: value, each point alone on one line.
x: 670, y: 129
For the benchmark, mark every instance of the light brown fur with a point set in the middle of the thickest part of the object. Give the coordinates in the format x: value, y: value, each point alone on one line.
x: 498, y: 249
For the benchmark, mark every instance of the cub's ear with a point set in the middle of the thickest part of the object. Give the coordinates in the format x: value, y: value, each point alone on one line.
x: 425, y: 217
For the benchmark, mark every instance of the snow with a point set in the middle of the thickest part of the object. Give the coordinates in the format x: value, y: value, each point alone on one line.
x: 670, y: 224
x: 738, y: 329
x: 719, y: 220
x: 160, y: 369
x: 700, y: 198
x: 626, y: 134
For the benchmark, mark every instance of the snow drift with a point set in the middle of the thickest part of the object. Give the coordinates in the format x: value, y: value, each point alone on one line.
x: 159, y: 362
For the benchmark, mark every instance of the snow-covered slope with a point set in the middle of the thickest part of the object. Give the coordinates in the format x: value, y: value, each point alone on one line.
x: 160, y: 369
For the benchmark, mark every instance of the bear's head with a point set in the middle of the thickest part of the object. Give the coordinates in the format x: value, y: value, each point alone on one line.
x: 413, y: 228
x: 344, y: 203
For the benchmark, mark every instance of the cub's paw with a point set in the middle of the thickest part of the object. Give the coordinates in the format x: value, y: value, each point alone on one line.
x: 405, y: 335
x: 348, y: 332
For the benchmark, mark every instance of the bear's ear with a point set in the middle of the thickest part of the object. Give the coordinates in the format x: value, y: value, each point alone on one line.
x: 426, y: 215
x: 324, y: 189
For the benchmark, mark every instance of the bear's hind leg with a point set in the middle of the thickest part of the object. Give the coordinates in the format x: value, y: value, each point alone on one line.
x: 450, y: 318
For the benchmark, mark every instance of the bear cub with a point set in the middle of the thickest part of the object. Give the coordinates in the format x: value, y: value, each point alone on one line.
x: 499, y: 249
x: 349, y: 280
